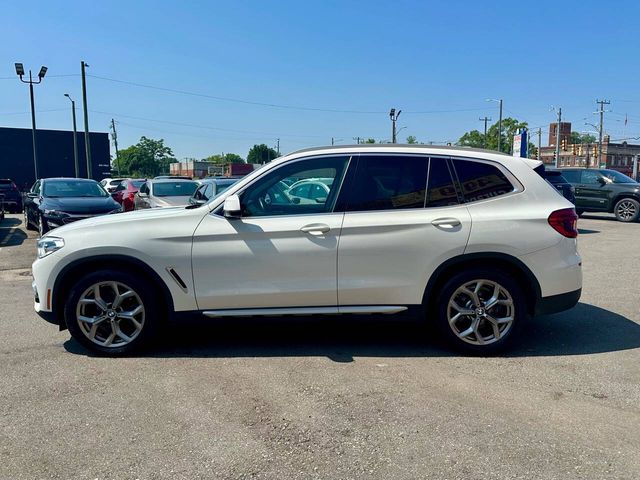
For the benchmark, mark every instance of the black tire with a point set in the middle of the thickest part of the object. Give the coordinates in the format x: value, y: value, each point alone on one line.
x: 27, y: 223
x: 510, y: 331
x: 150, y: 321
x: 42, y: 225
x: 627, y: 210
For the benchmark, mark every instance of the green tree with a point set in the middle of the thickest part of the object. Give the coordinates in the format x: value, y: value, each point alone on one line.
x: 147, y: 158
x: 225, y: 159
x: 473, y: 139
x: 577, y: 137
x: 369, y: 140
x: 510, y: 127
x: 412, y: 140
x: 261, y: 154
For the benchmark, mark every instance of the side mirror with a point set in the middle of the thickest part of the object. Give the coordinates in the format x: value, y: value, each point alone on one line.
x: 232, y: 207
x: 197, y: 201
x: 32, y: 195
x: 142, y: 194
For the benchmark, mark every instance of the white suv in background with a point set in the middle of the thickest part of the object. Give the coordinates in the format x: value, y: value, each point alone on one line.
x: 478, y: 240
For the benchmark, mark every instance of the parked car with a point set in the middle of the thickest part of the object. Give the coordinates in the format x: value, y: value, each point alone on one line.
x: 110, y: 184
x: 166, y: 177
x: 164, y: 193
x: 209, y: 188
x: 53, y: 202
x: 310, y: 190
x: 600, y: 190
x: 1, y: 206
x: 125, y: 193
x: 12, y: 195
x: 475, y: 240
x: 555, y: 178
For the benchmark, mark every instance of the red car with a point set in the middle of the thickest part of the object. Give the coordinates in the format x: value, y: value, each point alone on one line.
x: 125, y: 192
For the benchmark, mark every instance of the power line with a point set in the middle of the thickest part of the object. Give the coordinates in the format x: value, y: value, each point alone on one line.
x: 206, y: 127
x: 272, y: 105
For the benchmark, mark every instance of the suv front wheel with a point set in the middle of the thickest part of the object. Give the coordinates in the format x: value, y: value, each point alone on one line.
x: 112, y: 312
x: 480, y: 311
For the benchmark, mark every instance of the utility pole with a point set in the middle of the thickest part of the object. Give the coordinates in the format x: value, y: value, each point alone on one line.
x: 485, y: 120
x: 558, y: 137
x: 114, y: 135
x: 87, y: 143
x: 602, y: 103
x: 332, y: 141
x: 539, y: 141
x: 31, y: 82
x: 394, y: 118
x: 500, y: 128
x: 75, y: 136
x: 357, y: 139
x: 278, y: 146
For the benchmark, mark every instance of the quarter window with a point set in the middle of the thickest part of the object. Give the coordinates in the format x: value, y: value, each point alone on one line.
x: 480, y: 181
x: 388, y: 183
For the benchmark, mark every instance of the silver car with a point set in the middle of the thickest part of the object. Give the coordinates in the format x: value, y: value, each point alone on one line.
x: 164, y: 193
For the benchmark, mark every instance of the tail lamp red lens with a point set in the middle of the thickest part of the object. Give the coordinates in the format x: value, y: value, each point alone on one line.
x: 565, y: 222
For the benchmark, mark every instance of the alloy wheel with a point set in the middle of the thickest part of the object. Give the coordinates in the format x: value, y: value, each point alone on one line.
x: 110, y: 314
x: 480, y: 312
x: 626, y: 210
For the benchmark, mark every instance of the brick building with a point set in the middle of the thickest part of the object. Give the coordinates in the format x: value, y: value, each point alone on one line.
x: 616, y: 156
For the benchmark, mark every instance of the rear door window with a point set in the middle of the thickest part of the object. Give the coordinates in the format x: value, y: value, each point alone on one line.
x: 441, y: 191
x: 388, y: 182
x: 480, y: 181
x: 572, y: 176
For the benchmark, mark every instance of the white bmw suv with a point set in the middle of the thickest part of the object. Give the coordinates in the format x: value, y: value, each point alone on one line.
x: 477, y: 240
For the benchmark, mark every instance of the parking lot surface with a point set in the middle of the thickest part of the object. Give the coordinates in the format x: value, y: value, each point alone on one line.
x: 330, y: 397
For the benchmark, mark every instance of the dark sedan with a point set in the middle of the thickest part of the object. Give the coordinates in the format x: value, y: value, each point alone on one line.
x: 12, y: 196
x: 53, y: 202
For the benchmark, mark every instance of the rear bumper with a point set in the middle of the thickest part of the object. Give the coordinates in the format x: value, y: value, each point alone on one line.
x: 557, y: 303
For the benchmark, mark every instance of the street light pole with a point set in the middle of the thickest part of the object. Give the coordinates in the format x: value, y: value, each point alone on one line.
x: 75, y: 136
x: 87, y: 143
x: 41, y: 74
x: 393, y: 115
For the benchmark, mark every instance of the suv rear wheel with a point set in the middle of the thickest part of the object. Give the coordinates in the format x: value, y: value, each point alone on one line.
x: 480, y: 311
x: 627, y: 210
x: 112, y: 312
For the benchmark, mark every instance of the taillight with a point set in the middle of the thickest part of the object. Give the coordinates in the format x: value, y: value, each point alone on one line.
x: 565, y: 222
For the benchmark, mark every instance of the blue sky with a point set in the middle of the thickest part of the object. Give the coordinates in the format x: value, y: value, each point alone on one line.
x: 440, y: 58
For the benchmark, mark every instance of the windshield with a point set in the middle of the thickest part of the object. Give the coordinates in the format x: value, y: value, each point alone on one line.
x: 174, y: 189
x: 73, y: 188
x: 617, y: 177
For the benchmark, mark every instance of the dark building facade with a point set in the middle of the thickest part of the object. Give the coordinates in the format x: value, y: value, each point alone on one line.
x: 55, y: 155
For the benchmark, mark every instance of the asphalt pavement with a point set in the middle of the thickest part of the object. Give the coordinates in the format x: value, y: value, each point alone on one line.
x: 330, y: 397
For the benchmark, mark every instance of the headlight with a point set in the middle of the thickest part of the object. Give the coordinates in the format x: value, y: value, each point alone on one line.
x: 48, y: 245
x: 54, y: 213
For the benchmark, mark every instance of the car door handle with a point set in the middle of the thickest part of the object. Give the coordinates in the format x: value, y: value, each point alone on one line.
x: 446, y: 223
x: 315, y: 229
